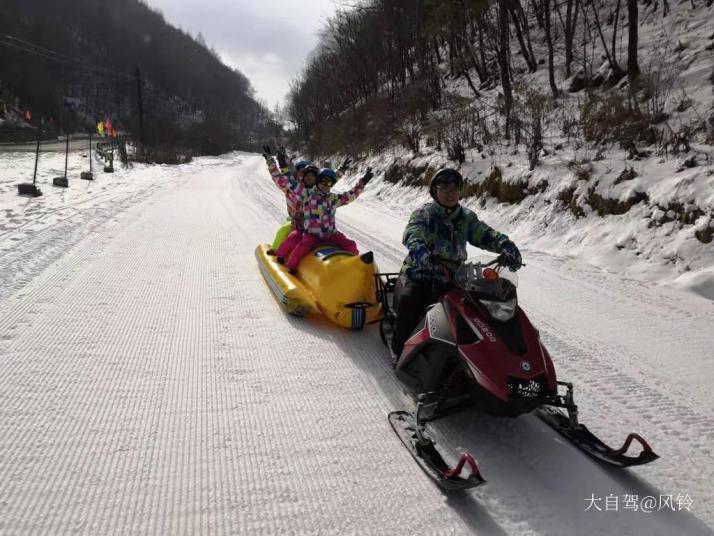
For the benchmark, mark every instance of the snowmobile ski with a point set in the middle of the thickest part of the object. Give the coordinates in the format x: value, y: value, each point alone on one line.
x: 588, y: 442
x: 424, y: 451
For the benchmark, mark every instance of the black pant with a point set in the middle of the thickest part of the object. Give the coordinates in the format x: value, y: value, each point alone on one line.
x: 410, y: 302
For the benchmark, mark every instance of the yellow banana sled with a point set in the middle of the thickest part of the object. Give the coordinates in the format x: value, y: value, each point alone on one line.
x: 329, y: 281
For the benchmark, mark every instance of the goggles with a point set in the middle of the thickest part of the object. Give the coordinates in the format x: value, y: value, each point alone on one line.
x: 448, y: 188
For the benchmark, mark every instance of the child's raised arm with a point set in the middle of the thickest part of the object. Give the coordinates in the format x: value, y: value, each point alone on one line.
x: 347, y: 197
x: 284, y: 182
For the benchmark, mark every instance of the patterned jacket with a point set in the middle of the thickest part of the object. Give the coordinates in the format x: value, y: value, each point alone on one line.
x: 318, y: 209
x: 444, y: 233
x: 294, y: 210
x: 293, y: 202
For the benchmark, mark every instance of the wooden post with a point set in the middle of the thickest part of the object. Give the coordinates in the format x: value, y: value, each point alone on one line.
x: 141, y: 112
x: 27, y: 188
x: 66, y: 154
x: 37, y: 152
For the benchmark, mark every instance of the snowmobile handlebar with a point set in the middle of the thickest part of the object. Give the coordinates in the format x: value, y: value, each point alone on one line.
x: 435, y: 258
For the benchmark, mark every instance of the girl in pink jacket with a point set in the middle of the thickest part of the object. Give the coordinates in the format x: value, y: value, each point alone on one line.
x: 319, y: 205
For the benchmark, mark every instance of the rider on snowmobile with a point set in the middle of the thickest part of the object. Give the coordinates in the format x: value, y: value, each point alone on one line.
x: 439, y: 229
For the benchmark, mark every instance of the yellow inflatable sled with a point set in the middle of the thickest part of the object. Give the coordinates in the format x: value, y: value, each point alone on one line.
x: 329, y: 281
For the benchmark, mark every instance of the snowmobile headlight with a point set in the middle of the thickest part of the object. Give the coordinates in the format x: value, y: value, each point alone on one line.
x: 501, y: 310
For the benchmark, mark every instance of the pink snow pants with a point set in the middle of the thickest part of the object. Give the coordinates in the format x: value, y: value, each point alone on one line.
x: 310, y: 241
x: 292, y: 240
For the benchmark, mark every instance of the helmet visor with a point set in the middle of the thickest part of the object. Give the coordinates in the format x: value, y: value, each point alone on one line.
x: 448, y: 177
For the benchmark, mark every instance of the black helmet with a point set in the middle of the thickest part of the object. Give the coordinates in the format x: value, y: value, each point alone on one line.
x: 310, y: 168
x: 445, y: 176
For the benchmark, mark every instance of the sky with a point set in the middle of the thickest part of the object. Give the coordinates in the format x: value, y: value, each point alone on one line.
x: 267, y: 40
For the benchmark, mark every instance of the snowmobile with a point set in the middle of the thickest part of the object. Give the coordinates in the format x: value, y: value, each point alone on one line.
x: 476, y: 347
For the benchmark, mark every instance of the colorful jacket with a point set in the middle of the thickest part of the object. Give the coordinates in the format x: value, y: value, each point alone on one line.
x: 444, y: 233
x: 294, y: 210
x: 318, y: 209
x: 293, y: 201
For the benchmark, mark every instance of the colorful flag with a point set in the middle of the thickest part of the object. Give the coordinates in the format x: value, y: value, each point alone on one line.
x: 107, y: 125
x: 28, y: 116
x: 100, y: 128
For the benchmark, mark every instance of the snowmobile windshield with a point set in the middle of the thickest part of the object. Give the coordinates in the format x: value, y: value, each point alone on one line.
x: 484, y: 280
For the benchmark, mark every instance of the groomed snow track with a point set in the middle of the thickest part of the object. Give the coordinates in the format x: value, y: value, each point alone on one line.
x: 150, y: 384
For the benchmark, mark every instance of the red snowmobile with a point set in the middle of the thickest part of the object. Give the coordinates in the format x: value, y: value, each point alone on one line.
x: 476, y: 348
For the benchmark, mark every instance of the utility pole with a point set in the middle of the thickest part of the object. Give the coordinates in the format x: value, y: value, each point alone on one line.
x: 141, y: 112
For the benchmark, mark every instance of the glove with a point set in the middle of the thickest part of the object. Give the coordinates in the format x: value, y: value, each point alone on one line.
x: 368, y: 175
x: 511, y: 256
x: 267, y: 154
x: 421, y: 255
x: 345, y: 165
x: 282, y: 160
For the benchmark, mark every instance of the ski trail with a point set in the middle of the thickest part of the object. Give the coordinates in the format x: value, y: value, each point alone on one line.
x: 619, y: 385
x: 587, y: 318
x: 151, y: 384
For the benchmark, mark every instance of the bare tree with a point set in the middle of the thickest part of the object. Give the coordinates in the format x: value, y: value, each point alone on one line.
x: 633, y: 68
x: 521, y: 27
x: 617, y: 71
x: 549, y: 39
x: 503, y: 62
x: 615, y: 21
x: 569, y: 25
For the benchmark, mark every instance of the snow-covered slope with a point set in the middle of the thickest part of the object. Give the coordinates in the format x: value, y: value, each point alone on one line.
x: 648, y: 242
x: 150, y: 383
x: 655, y: 223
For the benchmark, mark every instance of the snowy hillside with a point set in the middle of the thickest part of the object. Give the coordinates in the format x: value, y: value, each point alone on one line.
x: 643, y: 208
x: 654, y: 240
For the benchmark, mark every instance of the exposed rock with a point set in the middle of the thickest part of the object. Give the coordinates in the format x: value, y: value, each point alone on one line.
x: 705, y: 236
x: 627, y: 175
x: 408, y: 174
x: 567, y: 197
x: 605, y: 205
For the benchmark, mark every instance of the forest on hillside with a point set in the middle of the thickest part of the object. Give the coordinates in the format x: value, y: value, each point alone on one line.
x: 387, y: 69
x: 98, y: 53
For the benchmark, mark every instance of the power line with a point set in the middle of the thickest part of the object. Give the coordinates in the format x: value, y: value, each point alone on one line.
x: 59, y: 57
x: 28, y: 43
